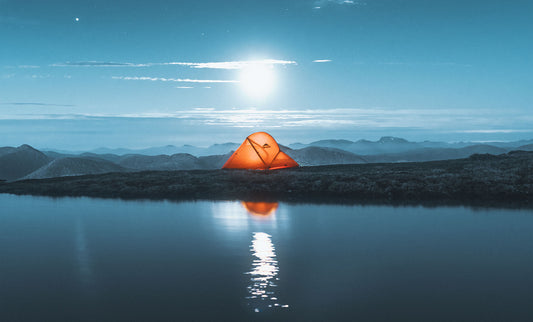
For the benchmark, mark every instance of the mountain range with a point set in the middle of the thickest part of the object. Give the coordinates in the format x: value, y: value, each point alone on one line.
x: 25, y: 162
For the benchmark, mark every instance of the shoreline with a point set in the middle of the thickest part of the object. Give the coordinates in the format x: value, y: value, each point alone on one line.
x: 481, y: 181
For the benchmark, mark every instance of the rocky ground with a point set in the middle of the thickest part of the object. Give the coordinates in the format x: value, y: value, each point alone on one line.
x: 480, y: 180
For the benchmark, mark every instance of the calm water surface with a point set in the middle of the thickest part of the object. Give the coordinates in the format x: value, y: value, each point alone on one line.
x: 91, y: 259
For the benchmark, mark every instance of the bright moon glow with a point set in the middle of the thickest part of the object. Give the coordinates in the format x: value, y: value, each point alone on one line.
x: 258, y: 80
x: 77, y: 19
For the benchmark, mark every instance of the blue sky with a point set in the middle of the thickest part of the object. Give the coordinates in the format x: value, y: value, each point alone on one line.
x: 84, y: 74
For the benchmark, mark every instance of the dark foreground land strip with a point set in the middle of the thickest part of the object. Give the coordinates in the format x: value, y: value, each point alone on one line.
x: 481, y: 180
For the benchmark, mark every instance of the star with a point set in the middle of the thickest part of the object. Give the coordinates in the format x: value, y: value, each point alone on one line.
x: 77, y: 19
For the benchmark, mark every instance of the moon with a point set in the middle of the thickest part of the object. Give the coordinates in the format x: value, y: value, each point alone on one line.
x: 258, y: 80
x: 77, y: 19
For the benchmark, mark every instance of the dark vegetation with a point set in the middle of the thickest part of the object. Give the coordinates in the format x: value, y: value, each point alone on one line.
x: 482, y: 179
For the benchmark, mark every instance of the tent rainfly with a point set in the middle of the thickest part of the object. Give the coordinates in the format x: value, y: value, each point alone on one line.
x: 259, y: 152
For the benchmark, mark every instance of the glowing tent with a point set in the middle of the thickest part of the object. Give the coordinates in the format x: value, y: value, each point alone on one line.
x: 260, y: 152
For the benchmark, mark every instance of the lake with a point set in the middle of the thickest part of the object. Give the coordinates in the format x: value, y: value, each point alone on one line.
x: 93, y: 259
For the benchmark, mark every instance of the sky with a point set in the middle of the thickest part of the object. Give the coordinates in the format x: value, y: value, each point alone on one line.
x: 87, y: 74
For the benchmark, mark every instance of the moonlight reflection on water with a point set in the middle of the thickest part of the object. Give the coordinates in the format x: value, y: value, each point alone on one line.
x: 264, y: 265
x: 264, y: 274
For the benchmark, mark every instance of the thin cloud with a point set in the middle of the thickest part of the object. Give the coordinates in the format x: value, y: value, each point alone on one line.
x: 239, y: 64
x: 36, y: 104
x: 207, y: 65
x: 184, y: 87
x: 23, y: 66
x: 97, y: 64
x: 325, y: 118
x: 182, y: 80
x: 321, y: 60
x: 37, y: 76
x: 440, y: 120
x: 318, y: 4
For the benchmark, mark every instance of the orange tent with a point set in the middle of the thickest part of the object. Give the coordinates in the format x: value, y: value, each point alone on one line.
x: 260, y: 152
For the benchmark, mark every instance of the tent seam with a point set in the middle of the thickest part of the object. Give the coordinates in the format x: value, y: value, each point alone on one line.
x: 253, y: 147
x: 274, y: 158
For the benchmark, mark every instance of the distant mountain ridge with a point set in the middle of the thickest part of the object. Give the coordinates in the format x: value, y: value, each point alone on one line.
x: 527, y: 147
x: 172, y: 149
x: 390, y: 145
x: 313, y: 155
x: 29, y: 163
x: 385, y: 145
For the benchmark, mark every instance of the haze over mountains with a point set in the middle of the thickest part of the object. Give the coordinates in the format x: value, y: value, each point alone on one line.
x: 25, y: 162
x: 385, y: 145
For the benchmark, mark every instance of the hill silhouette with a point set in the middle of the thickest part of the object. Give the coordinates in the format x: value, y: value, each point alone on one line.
x: 18, y: 162
x: 27, y: 162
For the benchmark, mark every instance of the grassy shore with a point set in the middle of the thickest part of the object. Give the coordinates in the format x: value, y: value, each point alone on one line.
x: 481, y: 180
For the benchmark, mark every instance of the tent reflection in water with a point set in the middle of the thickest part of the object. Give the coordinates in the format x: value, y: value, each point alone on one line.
x: 259, y: 152
x: 260, y: 208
